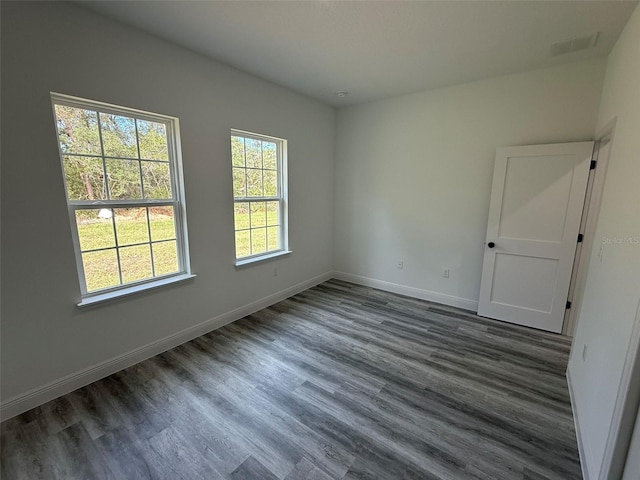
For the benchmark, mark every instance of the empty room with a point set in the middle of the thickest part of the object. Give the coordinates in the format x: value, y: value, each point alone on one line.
x: 320, y: 240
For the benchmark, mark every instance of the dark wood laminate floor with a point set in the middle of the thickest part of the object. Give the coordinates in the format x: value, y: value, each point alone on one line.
x: 340, y: 381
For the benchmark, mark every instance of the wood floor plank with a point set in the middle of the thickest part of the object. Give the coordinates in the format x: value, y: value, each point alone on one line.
x: 25, y: 451
x: 126, y: 454
x: 173, y: 455
x: 97, y: 415
x: 252, y: 469
x: 75, y: 456
x: 338, y: 382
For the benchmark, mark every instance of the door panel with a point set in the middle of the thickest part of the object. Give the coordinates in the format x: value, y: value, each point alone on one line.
x: 534, y: 216
x: 529, y: 209
x: 533, y: 291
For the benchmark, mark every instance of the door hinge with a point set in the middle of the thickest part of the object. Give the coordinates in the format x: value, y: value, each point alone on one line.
x: 580, y: 238
x: 568, y: 304
x: 593, y: 165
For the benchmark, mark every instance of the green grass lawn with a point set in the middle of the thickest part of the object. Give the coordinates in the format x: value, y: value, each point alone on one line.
x: 258, y: 233
x: 101, y: 267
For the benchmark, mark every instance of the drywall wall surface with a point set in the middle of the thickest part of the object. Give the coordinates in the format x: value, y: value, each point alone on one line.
x: 632, y: 465
x: 60, y: 47
x: 413, y: 173
x: 612, y: 289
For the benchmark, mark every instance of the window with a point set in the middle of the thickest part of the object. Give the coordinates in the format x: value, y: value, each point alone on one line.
x: 259, y: 193
x: 122, y: 176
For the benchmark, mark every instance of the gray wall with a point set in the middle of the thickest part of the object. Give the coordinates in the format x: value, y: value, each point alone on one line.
x: 63, y: 48
x: 413, y: 173
x: 612, y: 290
x: 632, y: 465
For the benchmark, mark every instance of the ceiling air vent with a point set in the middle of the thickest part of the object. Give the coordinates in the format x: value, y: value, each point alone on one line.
x: 575, y: 44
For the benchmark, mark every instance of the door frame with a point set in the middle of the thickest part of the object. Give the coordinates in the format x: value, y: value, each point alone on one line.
x: 625, y: 411
x: 627, y: 404
x: 591, y: 210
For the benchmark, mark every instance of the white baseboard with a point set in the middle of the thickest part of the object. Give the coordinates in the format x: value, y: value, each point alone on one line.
x: 409, y: 291
x: 37, y: 396
x: 576, y: 423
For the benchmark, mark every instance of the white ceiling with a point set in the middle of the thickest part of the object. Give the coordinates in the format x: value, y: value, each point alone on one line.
x: 375, y: 49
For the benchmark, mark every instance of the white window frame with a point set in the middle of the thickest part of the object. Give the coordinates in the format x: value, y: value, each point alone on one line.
x: 282, y: 198
x: 177, y: 202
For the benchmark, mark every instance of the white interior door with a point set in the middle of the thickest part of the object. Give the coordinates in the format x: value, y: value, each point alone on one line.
x: 534, y: 217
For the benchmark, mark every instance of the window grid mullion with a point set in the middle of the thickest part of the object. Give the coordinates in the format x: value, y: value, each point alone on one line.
x: 104, y: 249
x: 261, y: 165
x: 153, y: 261
x: 266, y: 227
x: 114, y: 157
x: 248, y: 168
x: 76, y: 247
x: 107, y: 190
x: 135, y: 123
x: 246, y: 173
x: 117, y: 247
x: 255, y: 199
x: 91, y: 205
x: 244, y: 152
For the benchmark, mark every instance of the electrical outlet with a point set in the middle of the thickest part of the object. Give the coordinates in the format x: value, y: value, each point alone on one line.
x: 275, y: 272
x: 400, y: 264
x: 445, y: 273
x: 584, y: 352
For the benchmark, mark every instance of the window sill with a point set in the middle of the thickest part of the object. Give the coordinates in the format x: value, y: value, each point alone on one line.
x: 268, y: 256
x: 127, y: 291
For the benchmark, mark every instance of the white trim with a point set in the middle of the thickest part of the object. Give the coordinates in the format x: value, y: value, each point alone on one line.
x: 256, y: 136
x: 428, y: 295
x: 261, y: 257
x: 576, y: 423
x: 123, y: 292
x: 625, y: 409
x: 111, y: 108
x: 39, y: 395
